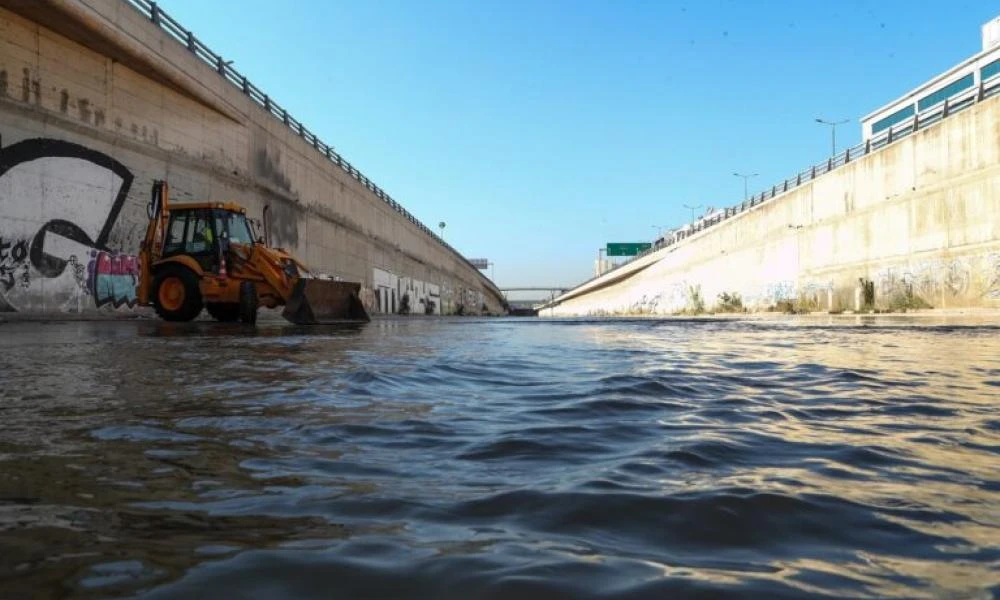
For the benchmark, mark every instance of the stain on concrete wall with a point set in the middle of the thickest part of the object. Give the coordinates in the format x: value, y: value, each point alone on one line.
x: 284, y: 225
x: 60, y: 202
x: 268, y: 167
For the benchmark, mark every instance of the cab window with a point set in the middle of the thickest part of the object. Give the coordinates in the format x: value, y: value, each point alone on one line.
x: 174, y: 242
x: 189, y: 232
x: 235, y: 225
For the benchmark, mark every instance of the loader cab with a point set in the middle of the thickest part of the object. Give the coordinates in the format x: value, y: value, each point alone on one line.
x: 204, y: 234
x: 234, y: 227
x: 192, y: 232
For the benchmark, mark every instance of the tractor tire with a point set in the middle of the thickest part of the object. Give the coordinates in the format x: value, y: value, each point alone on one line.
x: 224, y: 312
x: 176, y: 296
x: 248, y: 303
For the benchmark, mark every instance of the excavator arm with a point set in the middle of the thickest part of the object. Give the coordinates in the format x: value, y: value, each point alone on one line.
x: 151, y: 248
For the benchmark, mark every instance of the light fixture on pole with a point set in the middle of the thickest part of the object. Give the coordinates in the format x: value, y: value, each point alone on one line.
x: 693, y: 208
x: 745, y: 178
x: 441, y: 227
x: 833, y: 132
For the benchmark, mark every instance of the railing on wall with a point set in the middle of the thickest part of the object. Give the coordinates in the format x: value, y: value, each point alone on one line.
x: 185, y: 37
x: 917, y: 122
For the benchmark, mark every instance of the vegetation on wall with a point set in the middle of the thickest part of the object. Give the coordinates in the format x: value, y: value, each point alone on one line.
x: 729, y: 302
x: 695, y: 303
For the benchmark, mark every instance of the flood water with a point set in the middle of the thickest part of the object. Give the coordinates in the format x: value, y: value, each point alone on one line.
x: 501, y: 458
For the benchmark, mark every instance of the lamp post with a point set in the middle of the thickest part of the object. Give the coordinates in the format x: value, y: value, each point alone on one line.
x: 441, y: 227
x: 745, y: 178
x: 693, y: 208
x: 833, y: 132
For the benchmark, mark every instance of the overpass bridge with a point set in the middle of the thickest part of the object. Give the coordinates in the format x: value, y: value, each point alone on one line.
x: 529, y: 307
x: 553, y: 290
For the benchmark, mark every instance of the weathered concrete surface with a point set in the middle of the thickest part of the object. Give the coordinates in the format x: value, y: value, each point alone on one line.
x: 96, y: 102
x: 918, y: 220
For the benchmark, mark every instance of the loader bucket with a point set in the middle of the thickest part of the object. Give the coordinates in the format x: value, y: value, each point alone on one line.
x: 321, y: 301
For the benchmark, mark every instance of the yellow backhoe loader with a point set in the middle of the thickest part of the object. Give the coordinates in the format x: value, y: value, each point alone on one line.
x: 204, y: 255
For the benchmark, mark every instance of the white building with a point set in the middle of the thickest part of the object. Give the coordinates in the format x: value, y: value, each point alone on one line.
x: 964, y: 78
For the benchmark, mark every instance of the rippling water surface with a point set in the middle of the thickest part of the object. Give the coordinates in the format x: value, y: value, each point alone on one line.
x: 500, y: 458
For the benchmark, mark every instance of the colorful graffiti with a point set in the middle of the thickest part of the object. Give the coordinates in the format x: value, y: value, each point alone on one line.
x: 112, y: 278
x: 61, y: 202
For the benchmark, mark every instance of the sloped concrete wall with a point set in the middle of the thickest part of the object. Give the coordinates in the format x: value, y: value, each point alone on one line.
x: 918, y: 222
x: 96, y: 102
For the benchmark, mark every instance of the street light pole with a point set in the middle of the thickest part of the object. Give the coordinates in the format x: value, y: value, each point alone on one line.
x: 745, y: 178
x: 693, y: 208
x: 441, y: 227
x: 833, y: 132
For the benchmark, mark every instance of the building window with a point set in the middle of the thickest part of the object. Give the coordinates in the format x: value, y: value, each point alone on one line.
x: 896, y: 117
x: 989, y: 70
x: 946, y: 92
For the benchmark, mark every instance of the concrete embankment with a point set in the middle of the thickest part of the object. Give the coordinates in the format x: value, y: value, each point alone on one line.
x: 97, y: 101
x: 915, y: 224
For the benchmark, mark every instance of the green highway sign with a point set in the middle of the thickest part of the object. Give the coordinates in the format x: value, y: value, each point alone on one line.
x: 627, y: 249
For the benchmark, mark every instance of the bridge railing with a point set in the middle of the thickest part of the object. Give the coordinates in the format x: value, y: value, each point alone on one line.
x: 951, y: 105
x: 186, y: 37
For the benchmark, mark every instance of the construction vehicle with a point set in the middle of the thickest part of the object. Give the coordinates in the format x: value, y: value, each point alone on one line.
x: 205, y: 255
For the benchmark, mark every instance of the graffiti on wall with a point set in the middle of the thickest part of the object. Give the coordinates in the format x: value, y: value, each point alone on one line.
x: 112, y: 278
x: 778, y: 291
x: 993, y: 277
x: 939, y: 280
x: 60, y: 204
x: 646, y: 305
x: 13, y: 263
x: 405, y: 295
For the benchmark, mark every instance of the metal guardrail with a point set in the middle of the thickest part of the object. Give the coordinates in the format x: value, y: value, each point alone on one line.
x: 951, y: 105
x: 186, y: 37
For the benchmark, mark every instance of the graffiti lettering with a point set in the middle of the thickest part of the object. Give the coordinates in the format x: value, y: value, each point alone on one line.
x: 780, y: 290
x: 112, y: 278
x: 421, y: 297
x: 993, y: 287
x: 61, y: 202
x: 13, y: 265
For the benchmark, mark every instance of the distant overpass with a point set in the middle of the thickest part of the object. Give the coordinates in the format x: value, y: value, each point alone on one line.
x: 525, y: 307
x: 553, y: 290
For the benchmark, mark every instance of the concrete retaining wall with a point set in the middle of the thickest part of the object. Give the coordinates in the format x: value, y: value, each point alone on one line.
x: 96, y: 102
x: 917, y: 223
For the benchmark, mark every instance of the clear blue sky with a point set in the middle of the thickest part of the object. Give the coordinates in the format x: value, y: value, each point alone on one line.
x: 539, y: 130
